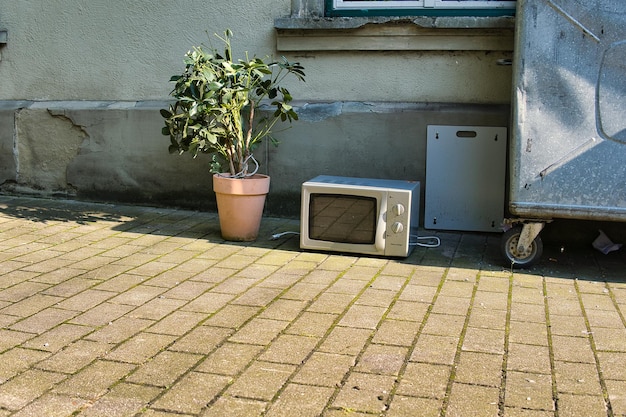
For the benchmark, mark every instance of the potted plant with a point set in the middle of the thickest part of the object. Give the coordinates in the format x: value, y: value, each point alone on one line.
x: 216, y: 111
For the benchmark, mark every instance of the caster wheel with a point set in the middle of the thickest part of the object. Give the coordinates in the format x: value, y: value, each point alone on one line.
x: 513, y: 256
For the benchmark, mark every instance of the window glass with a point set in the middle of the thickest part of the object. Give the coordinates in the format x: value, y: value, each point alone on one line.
x: 420, y: 7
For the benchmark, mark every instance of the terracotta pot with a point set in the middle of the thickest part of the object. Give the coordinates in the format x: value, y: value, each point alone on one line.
x: 240, y: 203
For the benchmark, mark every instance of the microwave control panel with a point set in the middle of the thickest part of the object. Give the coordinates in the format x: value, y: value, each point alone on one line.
x: 400, y: 214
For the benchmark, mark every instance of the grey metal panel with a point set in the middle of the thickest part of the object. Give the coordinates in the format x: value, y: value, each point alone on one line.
x: 568, y: 139
x: 465, y: 178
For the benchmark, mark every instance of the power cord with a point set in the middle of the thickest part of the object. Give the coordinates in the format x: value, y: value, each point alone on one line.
x: 435, y: 241
x: 279, y: 235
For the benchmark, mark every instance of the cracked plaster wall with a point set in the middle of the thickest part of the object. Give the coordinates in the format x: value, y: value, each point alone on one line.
x: 114, y: 151
x: 44, y: 145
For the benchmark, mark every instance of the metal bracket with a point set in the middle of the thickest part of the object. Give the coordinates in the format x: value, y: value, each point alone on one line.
x: 529, y: 232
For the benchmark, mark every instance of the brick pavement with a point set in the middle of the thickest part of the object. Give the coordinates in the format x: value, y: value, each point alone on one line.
x: 109, y: 310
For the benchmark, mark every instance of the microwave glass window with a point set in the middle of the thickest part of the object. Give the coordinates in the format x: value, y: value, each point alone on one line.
x: 342, y: 218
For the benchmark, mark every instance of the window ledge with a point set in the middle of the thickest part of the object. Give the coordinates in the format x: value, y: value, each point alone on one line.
x: 395, y: 33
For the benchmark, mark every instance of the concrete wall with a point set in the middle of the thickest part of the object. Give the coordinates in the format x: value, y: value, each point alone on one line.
x: 83, y: 81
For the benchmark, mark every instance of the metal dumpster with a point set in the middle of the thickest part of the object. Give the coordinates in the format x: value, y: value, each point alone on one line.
x: 568, y: 137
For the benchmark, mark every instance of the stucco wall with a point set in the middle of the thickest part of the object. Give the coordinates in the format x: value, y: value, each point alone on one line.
x: 83, y: 81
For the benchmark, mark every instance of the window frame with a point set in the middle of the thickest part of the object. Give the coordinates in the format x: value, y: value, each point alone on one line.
x: 347, y: 8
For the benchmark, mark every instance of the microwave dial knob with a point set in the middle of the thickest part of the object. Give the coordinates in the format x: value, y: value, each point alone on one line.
x: 398, y: 209
x: 397, y: 227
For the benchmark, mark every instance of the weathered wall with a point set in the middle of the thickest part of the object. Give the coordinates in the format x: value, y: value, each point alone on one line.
x: 83, y: 81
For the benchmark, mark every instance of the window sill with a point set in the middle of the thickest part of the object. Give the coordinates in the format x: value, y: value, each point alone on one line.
x: 395, y: 33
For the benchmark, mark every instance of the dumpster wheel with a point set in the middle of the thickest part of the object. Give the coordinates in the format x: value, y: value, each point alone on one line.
x: 517, y: 258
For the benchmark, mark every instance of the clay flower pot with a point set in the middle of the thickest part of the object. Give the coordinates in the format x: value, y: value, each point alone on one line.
x: 240, y: 203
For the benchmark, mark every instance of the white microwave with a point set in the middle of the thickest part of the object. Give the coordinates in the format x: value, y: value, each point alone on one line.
x: 359, y: 215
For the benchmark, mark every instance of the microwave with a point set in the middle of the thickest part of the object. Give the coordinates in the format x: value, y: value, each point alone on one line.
x: 359, y: 215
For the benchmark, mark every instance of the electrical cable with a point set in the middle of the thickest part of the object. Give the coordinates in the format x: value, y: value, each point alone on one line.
x: 279, y: 235
x: 436, y: 242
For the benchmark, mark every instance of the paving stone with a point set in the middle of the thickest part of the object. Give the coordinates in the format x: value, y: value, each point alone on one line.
x: 202, y: 339
x: 324, y: 369
x: 10, y: 339
x: 605, y: 318
x: 22, y: 290
x: 483, y: 340
x: 609, y: 339
x: 528, y: 333
x: 257, y: 296
x: 408, y: 310
x: 303, y: 291
x: 568, y: 325
x: 192, y: 393
x: 156, y: 309
x: 261, y: 380
x: 524, y: 412
x: 26, y: 387
x: 528, y: 358
x: 93, y: 381
x: 444, y: 325
x: 346, y: 341
x: 177, y: 323
x: 491, y: 300
x: 232, y: 316
x: 359, y: 316
x: 122, y: 400
x: 163, y: 369
x: 347, y: 286
x: 227, y: 405
x: 617, y: 396
x: 29, y: 306
x: 102, y: 314
x: 424, y: 380
x: 309, y: 401
x: 403, y: 406
x: 209, y: 302
x: 577, y: 378
x: 362, y: 272
x: 528, y: 390
x: 71, y: 287
x: 365, y: 393
x: 572, y: 349
x: 337, y: 262
x: 58, y: 337
x: 283, y: 310
x: 528, y: 312
x: 259, y: 331
x: 376, y: 297
x: 597, y: 302
x: 140, y: 347
x: 396, y: 332
x: 382, y: 359
x: 290, y: 349
x: 53, y: 405
x: 418, y: 293
x: 479, y: 369
x: 451, y: 305
x: 612, y: 365
x: 571, y: 405
x: 472, y: 400
x: 44, y: 320
x: 435, y: 349
x: 85, y: 300
x: 485, y: 318
x: 119, y: 330
x: 75, y: 356
x: 229, y: 359
x: 312, y: 324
